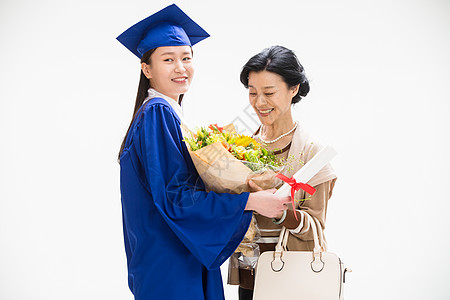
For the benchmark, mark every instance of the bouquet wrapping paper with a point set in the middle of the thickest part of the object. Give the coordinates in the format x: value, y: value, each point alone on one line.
x: 223, y: 173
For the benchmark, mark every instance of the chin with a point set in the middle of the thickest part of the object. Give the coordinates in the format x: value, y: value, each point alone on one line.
x: 183, y: 90
x: 266, y: 120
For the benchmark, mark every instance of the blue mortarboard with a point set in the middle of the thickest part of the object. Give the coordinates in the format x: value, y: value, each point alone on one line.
x: 168, y: 27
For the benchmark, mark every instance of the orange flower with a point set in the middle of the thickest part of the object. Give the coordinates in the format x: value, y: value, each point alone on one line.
x: 228, y: 147
x: 214, y: 127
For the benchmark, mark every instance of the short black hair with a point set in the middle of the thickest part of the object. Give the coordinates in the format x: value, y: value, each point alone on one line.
x: 282, y: 61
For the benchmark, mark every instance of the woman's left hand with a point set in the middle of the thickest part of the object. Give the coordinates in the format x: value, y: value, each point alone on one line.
x: 254, y: 187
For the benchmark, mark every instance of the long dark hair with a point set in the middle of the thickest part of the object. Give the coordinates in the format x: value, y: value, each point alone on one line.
x: 144, y: 85
x: 282, y: 61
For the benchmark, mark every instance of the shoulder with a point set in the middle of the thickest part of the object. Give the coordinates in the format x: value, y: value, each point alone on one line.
x: 311, y: 145
x: 306, y: 143
x: 159, y: 106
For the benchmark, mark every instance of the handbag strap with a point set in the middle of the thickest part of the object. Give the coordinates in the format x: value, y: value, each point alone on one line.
x: 281, y: 245
x: 323, y: 243
x: 315, y: 227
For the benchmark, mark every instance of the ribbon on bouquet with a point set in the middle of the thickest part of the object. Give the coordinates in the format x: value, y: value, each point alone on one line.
x: 295, y: 186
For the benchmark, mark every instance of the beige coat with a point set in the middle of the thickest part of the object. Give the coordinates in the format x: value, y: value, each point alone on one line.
x: 304, y: 146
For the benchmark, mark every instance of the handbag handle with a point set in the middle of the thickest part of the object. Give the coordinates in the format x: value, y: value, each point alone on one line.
x: 315, y: 227
x: 323, y: 243
x: 316, y: 264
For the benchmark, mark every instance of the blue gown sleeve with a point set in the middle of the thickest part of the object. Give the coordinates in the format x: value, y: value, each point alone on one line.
x: 209, y: 224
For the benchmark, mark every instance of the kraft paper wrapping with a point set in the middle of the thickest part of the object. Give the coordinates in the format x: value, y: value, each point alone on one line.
x: 221, y: 172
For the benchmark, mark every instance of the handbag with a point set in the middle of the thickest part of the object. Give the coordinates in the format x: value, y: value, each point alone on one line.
x: 306, y: 275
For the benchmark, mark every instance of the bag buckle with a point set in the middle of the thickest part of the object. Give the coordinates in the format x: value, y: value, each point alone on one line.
x: 317, y: 264
x: 277, y: 262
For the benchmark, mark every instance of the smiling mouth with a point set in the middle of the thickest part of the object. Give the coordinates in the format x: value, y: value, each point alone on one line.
x: 180, y: 79
x: 264, y: 112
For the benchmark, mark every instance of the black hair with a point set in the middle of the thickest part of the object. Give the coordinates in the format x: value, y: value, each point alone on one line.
x: 282, y: 61
x: 142, y: 93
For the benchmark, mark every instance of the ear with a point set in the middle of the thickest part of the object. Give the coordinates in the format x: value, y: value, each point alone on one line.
x: 294, y: 89
x: 146, y: 70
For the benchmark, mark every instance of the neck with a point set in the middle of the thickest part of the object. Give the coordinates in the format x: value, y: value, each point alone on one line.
x: 276, y: 129
x: 176, y: 98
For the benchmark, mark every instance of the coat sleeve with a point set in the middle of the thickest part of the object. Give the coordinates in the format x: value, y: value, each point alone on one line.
x: 316, y: 207
x: 209, y: 224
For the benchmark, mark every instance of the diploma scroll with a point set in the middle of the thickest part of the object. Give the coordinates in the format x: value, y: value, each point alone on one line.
x: 311, y: 168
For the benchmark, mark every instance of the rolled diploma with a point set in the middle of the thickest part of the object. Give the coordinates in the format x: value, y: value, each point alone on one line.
x: 310, y: 169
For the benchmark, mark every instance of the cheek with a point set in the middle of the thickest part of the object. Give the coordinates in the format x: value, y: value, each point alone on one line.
x: 285, y: 105
x: 190, y: 69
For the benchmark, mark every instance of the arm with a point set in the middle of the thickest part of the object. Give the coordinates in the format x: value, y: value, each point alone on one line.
x: 209, y: 224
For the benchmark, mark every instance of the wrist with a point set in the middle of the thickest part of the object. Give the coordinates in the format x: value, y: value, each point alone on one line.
x: 280, y: 220
x: 250, y: 202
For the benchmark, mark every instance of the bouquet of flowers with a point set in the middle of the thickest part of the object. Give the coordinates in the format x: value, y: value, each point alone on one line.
x: 226, y: 161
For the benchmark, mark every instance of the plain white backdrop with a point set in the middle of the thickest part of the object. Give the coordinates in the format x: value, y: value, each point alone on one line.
x: 379, y: 74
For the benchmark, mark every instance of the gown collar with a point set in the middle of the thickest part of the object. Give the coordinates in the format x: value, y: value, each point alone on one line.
x: 152, y: 93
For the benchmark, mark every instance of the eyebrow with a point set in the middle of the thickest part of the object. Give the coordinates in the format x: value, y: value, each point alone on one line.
x: 173, y: 53
x: 264, y: 88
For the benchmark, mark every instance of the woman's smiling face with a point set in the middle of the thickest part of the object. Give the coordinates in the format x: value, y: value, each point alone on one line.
x: 170, y: 70
x: 270, y: 97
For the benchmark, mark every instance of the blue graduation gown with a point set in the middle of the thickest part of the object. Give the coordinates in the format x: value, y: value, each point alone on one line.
x: 176, y: 234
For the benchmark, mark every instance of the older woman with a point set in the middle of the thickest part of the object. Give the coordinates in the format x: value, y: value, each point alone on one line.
x: 276, y: 80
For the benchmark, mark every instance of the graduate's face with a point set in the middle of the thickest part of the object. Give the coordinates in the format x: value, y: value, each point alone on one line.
x: 170, y: 70
x: 270, y: 97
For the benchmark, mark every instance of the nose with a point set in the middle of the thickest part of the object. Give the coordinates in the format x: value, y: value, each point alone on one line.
x: 179, y: 67
x: 260, y: 100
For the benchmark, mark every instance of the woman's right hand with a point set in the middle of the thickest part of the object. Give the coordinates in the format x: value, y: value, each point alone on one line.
x: 267, y: 204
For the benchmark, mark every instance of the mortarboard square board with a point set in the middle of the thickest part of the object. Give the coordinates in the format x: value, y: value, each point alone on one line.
x: 167, y: 27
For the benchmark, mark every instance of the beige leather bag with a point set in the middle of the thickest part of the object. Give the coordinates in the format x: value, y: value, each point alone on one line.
x: 306, y: 275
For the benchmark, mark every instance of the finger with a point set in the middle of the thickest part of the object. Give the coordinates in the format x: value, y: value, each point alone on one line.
x: 272, y: 191
x: 254, y: 186
x: 285, y: 199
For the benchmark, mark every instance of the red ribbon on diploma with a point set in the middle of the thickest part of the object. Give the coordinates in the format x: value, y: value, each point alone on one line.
x: 295, y: 186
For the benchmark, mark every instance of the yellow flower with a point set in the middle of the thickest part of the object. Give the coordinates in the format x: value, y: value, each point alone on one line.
x: 240, y: 150
x: 243, y: 140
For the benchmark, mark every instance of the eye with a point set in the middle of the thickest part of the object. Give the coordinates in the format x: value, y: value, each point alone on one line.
x: 169, y: 60
x: 252, y: 94
x: 269, y: 94
x: 187, y: 58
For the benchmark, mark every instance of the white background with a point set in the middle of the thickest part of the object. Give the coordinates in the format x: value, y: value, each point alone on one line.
x: 379, y: 73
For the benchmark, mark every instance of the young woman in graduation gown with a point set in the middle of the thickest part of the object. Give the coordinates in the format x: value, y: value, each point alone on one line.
x: 276, y: 80
x: 176, y: 234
